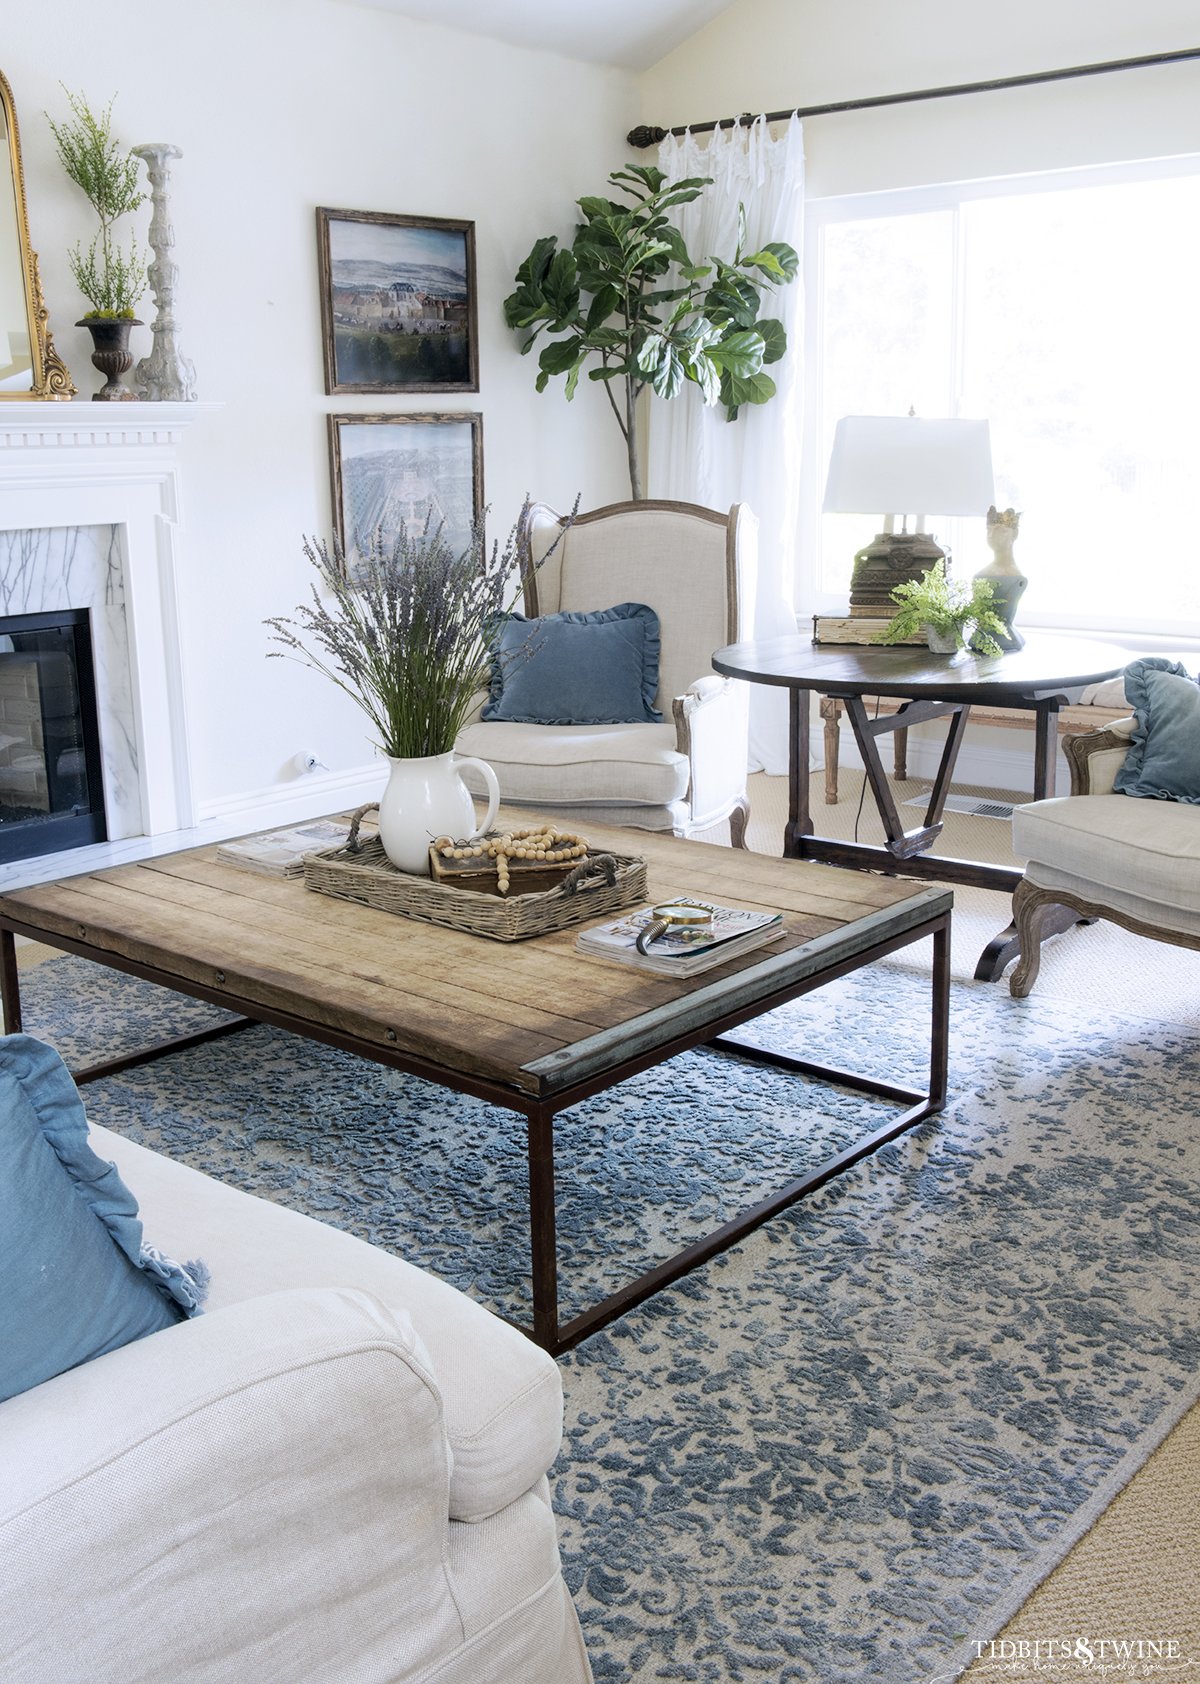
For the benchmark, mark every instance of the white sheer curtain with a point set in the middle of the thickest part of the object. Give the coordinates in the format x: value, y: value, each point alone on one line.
x: 694, y: 453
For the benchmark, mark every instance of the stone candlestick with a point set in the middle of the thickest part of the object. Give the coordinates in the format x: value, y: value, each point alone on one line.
x: 166, y: 375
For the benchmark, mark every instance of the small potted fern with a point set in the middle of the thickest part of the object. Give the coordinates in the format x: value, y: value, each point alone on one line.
x: 954, y: 614
x: 110, y: 279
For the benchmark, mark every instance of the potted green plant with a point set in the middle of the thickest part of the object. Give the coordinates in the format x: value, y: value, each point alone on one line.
x: 627, y: 294
x: 953, y: 613
x: 110, y: 279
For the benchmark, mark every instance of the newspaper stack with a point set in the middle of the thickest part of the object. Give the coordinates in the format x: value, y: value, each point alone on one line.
x: 280, y: 853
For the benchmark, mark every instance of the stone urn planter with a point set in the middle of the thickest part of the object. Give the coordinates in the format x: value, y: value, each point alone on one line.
x: 111, y: 355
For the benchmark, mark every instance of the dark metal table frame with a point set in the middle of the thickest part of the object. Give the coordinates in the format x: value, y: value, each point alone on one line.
x: 540, y: 1111
x: 904, y: 851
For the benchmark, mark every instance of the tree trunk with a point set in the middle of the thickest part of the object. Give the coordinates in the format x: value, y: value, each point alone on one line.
x: 631, y: 441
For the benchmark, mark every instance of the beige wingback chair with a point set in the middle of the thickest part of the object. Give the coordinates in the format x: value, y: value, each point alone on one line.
x: 1128, y: 859
x: 696, y: 569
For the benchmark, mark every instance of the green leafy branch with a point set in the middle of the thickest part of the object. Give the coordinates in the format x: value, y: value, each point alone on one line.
x: 952, y: 607
x: 628, y: 294
x: 112, y: 281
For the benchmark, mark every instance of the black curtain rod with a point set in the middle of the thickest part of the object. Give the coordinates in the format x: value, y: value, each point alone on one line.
x: 647, y: 136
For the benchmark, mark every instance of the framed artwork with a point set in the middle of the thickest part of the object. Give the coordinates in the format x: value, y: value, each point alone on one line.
x: 397, y: 302
x: 390, y: 471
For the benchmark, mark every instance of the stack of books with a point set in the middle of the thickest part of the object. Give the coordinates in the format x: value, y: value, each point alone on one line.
x: 855, y: 628
x: 681, y: 951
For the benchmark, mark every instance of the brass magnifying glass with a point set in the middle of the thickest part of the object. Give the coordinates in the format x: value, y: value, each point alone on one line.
x: 662, y: 918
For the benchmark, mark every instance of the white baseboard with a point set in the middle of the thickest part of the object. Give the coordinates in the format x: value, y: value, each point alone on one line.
x: 299, y: 798
x: 980, y: 764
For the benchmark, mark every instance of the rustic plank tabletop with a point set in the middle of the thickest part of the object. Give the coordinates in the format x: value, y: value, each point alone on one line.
x: 535, y: 1015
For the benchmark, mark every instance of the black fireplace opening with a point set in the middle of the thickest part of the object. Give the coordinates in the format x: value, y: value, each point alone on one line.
x: 51, y: 788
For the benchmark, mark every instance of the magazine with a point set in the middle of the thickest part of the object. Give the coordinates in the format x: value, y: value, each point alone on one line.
x: 680, y: 951
x: 280, y: 853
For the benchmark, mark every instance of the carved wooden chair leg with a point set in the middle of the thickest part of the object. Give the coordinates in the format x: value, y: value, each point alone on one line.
x: 900, y: 752
x: 738, y: 820
x: 831, y: 712
x: 1028, y: 903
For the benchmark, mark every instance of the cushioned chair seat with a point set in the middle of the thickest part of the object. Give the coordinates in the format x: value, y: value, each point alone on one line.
x: 579, y: 765
x: 1104, y: 841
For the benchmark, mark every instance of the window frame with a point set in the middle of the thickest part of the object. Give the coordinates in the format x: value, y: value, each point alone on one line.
x: 951, y: 196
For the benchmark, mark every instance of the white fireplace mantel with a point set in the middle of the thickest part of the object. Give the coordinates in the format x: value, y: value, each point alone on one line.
x: 85, y: 465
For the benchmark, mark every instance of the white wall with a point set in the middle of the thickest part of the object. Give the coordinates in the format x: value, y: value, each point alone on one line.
x: 280, y: 106
x: 771, y: 55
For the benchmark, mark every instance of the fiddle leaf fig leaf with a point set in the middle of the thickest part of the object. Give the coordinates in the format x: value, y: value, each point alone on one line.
x: 767, y: 262
x: 734, y: 298
x: 668, y: 376
x: 562, y: 286
x: 774, y: 338
x: 739, y: 354
x: 787, y: 257
x: 538, y: 261
x: 526, y: 306
x: 642, y: 175
x: 605, y: 302
x: 738, y: 389
x: 650, y: 356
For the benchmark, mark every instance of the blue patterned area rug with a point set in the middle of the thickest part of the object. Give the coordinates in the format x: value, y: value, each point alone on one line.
x: 849, y: 1448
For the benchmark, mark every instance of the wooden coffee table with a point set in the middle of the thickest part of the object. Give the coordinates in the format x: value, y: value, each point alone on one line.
x: 533, y: 1026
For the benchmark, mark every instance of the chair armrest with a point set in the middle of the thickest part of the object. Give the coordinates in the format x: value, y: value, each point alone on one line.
x: 259, y: 1493
x: 711, y: 729
x: 1096, y: 757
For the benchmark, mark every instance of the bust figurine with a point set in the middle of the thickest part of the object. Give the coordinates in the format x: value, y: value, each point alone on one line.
x: 1002, y: 573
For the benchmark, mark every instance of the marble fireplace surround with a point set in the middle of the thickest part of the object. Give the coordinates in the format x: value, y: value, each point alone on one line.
x: 90, y: 509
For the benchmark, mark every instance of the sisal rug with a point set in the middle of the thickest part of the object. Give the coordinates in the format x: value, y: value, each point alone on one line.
x: 849, y: 1448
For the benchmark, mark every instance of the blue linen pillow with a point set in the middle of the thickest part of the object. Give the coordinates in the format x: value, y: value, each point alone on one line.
x: 77, y: 1278
x: 1163, y: 761
x: 576, y: 669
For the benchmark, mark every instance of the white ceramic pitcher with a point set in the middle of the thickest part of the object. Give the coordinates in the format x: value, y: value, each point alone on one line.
x: 427, y: 798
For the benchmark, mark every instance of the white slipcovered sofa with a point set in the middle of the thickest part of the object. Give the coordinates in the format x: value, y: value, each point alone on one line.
x: 336, y: 1474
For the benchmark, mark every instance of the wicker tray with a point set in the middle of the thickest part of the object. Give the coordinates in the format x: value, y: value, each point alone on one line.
x: 371, y: 879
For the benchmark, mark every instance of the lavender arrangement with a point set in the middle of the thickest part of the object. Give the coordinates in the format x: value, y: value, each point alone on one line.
x: 405, y: 628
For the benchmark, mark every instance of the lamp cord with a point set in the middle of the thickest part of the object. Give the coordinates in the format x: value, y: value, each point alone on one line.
x: 862, y: 794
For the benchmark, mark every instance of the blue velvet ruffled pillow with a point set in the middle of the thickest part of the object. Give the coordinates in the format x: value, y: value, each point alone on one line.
x: 78, y: 1279
x: 576, y: 669
x: 1163, y: 761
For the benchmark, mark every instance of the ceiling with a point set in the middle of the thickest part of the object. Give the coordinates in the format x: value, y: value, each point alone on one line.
x: 630, y: 34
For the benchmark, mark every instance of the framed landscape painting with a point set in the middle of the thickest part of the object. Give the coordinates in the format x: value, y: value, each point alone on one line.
x: 391, y: 472
x: 397, y: 302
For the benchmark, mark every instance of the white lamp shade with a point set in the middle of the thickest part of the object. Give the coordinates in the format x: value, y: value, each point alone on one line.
x: 890, y: 464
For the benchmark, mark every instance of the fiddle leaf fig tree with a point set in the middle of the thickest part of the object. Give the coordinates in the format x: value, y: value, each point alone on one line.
x: 627, y: 297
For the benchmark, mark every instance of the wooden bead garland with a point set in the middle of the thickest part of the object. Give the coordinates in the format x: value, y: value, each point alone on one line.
x: 538, y: 843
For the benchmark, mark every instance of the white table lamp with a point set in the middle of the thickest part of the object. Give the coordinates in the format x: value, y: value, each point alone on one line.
x: 902, y: 465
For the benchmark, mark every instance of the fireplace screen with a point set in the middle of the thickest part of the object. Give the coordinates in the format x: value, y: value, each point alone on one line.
x: 51, y: 793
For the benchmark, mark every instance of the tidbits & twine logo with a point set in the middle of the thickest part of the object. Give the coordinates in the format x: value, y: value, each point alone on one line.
x: 1130, y: 1657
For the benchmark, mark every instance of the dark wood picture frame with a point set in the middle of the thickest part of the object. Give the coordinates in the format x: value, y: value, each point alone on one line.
x: 398, y: 302
x: 407, y: 484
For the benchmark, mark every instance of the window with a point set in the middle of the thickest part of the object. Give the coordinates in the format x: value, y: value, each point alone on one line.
x: 1064, y: 310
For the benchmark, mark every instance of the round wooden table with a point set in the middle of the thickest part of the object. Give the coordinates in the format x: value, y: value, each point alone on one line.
x: 1033, y: 679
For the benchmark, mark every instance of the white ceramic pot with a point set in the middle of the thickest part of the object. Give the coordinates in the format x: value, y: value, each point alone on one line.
x: 427, y: 798
x: 940, y: 643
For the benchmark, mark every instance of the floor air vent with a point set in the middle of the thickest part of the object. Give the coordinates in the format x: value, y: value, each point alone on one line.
x: 972, y: 804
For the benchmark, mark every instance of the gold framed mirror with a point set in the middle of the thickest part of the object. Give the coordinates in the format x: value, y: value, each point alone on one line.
x: 30, y: 367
